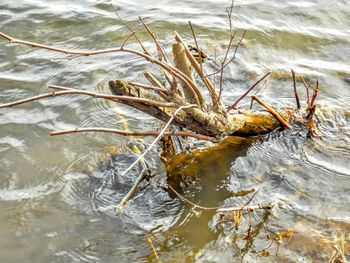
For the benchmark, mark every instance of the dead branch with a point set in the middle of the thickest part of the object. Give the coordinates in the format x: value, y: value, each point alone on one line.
x: 246, y: 93
x: 307, y: 91
x: 143, y: 174
x: 246, y: 208
x: 88, y: 93
x: 314, y: 95
x: 197, y: 68
x: 133, y: 33
x: 134, y: 133
x: 156, y: 41
x: 141, y: 85
x: 273, y: 112
x: 158, y: 137
x: 189, y: 202
x: 232, y: 58
x: 172, y: 70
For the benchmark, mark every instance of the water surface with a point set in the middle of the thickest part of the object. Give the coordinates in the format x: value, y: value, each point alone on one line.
x: 51, y: 214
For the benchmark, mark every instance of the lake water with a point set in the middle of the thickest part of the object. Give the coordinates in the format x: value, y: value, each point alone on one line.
x: 58, y: 194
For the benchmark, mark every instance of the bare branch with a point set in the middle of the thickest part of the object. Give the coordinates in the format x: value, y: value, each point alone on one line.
x: 229, y: 14
x: 314, y: 95
x: 143, y: 174
x: 196, y: 66
x: 171, y: 69
x: 134, y: 133
x: 191, y: 203
x: 144, y: 86
x: 247, y: 208
x: 246, y: 93
x: 274, y: 113
x: 232, y: 58
x: 156, y: 41
x: 295, y: 90
x: 307, y: 91
x: 66, y: 91
x: 153, y: 80
x: 196, y: 43
x: 133, y: 33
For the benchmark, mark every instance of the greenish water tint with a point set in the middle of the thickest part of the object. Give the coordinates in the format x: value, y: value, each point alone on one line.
x: 50, y: 214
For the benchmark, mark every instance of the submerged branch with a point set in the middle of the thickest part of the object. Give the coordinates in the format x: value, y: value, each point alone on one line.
x: 246, y: 208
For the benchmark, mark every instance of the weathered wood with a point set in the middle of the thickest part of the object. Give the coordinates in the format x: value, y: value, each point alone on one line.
x: 237, y: 123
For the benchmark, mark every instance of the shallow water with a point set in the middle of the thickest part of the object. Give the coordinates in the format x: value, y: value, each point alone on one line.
x: 53, y: 214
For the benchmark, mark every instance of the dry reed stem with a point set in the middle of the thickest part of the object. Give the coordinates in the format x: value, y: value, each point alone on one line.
x: 143, y: 174
x: 191, y: 203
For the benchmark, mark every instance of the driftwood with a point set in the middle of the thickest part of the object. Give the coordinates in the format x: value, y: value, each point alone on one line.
x: 176, y: 96
x: 161, y: 102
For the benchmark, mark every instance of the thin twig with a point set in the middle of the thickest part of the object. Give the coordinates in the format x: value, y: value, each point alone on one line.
x: 134, y: 133
x: 273, y: 112
x: 157, y: 138
x: 314, y: 95
x: 145, y: 86
x: 229, y: 13
x: 156, y: 41
x: 223, y: 63
x: 232, y: 58
x: 153, y: 80
x: 149, y: 239
x: 196, y: 66
x: 191, y: 203
x: 246, y: 93
x: 247, y: 208
x: 196, y: 43
x: 143, y: 174
x: 169, y: 68
x: 295, y: 90
x: 88, y: 93
x: 307, y: 91
x: 133, y: 33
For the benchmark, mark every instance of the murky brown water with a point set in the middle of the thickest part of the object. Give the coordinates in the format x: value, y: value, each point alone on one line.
x: 49, y: 214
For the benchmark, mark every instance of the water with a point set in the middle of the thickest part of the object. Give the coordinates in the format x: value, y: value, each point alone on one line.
x: 53, y: 214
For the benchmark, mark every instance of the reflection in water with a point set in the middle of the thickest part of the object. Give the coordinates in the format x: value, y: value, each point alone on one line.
x: 52, y: 215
